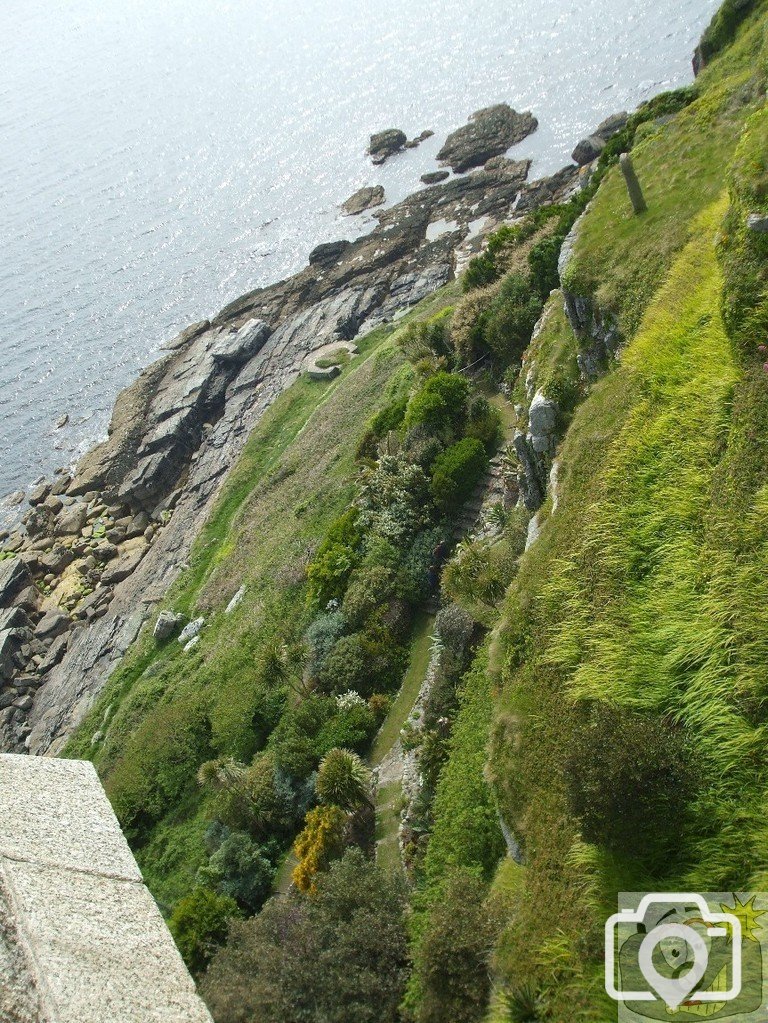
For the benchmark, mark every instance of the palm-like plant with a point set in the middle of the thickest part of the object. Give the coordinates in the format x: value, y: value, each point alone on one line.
x: 343, y: 780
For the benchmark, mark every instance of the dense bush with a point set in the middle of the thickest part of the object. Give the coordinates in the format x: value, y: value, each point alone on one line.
x: 629, y: 781
x: 427, y: 339
x: 334, y: 560
x: 320, y: 637
x: 394, y: 500
x: 370, y: 587
x: 339, y: 956
x: 440, y: 404
x: 483, y: 422
x: 722, y: 29
x: 387, y: 419
x: 322, y: 840
x: 352, y: 727
x: 241, y: 869
x: 452, y: 958
x: 343, y: 779
x: 199, y: 924
x: 509, y: 322
x: 456, y: 471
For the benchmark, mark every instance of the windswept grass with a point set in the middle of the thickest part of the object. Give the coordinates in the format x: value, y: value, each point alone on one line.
x: 621, y: 259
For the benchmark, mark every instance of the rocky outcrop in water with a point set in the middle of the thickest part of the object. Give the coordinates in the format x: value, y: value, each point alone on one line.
x: 590, y: 148
x: 384, y: 144
x: 364, y: 199
x: 490, y: 132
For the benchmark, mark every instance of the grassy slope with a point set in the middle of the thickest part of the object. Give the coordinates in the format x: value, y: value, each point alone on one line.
x: 165, y: 711
x: 621, y: 259
x: 648, y: 586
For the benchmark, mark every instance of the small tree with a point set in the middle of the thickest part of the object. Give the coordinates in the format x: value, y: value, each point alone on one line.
x: 199, y: 924
x: 321, y: 841
x: 343, y: 780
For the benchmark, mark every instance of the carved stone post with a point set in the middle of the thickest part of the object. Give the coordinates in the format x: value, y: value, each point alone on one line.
x: 633, y: 185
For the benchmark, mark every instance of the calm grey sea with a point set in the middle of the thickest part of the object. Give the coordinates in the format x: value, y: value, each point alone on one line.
x: 160, y: 157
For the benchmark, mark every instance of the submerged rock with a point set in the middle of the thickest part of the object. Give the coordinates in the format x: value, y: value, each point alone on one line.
x: 364, y: 199
x: 490, y: 132
x: 386, y: 143
x: 435, y: 177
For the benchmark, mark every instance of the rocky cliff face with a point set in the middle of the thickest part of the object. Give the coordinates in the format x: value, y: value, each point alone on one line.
x: 99, y: 550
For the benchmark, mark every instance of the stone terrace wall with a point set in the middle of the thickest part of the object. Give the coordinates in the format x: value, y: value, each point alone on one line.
x: 81, y: 939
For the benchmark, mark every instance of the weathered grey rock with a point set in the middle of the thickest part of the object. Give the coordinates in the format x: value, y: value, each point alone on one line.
x: 122, y: 567
x: 364, y: 199
x: 55, y: 654
x: 39, y: 493
x: 542, y: 423
x: 236, y: 599
x: 611, y: 126
x: 588, y: 150
x: 166, y: 624
x: 9, y: 644
x: 81, y: 939
x: 51, y: 625
x: 27, y: 599
x: 71, y: 520
x: 191, y: 644
x: 53, y: 503
x: 422, y: 137
x: 435, y: 177
x: 384, y: 144
x: 191, y: 629
x: 95, y: 604
x: 503, y: 165
x: 56, y: 560
x: 14, y: 577
x: 238, y: 346
x: 328, y: 252
x: 757, y: 222
x: 37, y: 522
x: 490, y: 132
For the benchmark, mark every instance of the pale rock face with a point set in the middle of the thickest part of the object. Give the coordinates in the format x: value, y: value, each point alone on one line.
x: 191, y: 630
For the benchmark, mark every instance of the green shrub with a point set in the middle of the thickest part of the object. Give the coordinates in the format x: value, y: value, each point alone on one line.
x: 320, y: 637
x: 452, y: 959
x: 440, y: 404
x: 369, y: 588
x: 509, y: 322
x: 239, y: 868
x: 352, y: 727
x: 334, y: 560
x: 199, y: 925
x: 722, y: 29
x: 456, y: 471
x: 394, y: 500
x: 339, y: 956
x: 426, y: 339
x: 343, y: 779
x: 629, y: 782
x: 387, y: 419
x: 483, y: 422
